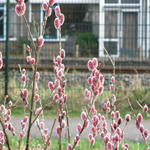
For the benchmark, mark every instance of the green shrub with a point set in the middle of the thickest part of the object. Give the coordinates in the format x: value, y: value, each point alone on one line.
x: 88, y: 44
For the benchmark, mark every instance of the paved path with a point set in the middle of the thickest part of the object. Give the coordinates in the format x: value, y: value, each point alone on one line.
x: 131, y: 132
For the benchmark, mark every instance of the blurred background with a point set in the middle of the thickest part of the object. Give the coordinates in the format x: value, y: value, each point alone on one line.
x: 122, y: 27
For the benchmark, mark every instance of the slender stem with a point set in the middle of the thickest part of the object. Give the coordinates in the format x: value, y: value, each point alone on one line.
x: 6, y: 136
x: 50, y: 135
x: 29, y: 31
x: 68, y: 128
x: 83, y: 127
x: 19, y: 144
x: 40, y: 113
x: 139, y: 104
x: 113, y: 62
x: 60, y: 123
x: 131, y: 107
x: 32, y: 100
x: 60, y: 45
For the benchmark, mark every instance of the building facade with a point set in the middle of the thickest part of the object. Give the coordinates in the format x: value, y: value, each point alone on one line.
x: 119, y: 26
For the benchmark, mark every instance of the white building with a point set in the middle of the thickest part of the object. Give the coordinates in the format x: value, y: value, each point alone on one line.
x: 121, y: 26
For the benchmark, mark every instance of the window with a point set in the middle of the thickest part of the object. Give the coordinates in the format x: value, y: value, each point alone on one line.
x: 111, y: 47
x: 110, y: 24
x: 50, y: 31
x: 1, y: 21
x: 130, y: 1
x: 12, y: 22
x: 111, y: 32
x: 35, y: 18
x: 111, y: 1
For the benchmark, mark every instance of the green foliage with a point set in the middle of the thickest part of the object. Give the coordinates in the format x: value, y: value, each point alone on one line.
x: 88, y: 44
x: 20, y: 44
x: 76, y: 98
x: 83, y: 145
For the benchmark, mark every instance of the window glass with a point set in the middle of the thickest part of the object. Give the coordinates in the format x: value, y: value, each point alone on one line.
x: 12, y: 22
x: 35, y: 15
x: 1, y: 21
x: 130, y: 1
x: 50, y: 31
x: 79, y: 18
x: 111, y: 24
x: 111, y: 1
x: 111, y: 47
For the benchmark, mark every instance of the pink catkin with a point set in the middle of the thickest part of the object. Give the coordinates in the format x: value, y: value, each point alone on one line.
x: 20, y: 9
x: 57, y: 11
x: 57, y: 23
x: 40, y: 42
x: 49, y: 12
x: 51, y: 2
x: 62, y: 19
x: 45, y: 6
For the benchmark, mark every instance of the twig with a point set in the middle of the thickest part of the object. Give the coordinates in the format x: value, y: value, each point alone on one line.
x: 40, y: 113
x: 32, y: 101
x: 131, y: 107
x: 139, y: 104
x: 83, y: 127
x: 29, y: 31
x: 68, y: 128
x: 51, y: 132
x: 19, y: 144
x: 6, y: 136
x: 112, y: 62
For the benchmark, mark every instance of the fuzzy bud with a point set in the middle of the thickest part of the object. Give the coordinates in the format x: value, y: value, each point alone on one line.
x: 62, y: 19
x: 20, y: 9
x: 57, y: 11
x: 45, y: 6
x: 51, y: 2
x: 83, y: 116
x: 139, y: 118
x: 25, y: 93
x: 145, y: 108
x: 57, y: 23
x: 128, y: 117
x: 69, y: 147
x: 37, y: 76
x: 62, y: 53
x: 40, y: 42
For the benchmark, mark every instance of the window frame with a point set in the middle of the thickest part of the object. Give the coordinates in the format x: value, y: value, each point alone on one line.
x: 49, y: 39
x: 3, y: 8
x: 113, y: 39
x: 121, y: 8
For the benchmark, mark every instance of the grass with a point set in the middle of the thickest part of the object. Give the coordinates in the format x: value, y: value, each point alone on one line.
x: 83, y: 145
x: 76, y: 100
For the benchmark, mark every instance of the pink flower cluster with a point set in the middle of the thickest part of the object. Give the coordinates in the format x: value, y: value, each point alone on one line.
x: 62, y: 123
x: 113, y: 138
x: 44, y: 132
x: 23, y: 126
x: 40, y: 41
x: 1, y: 60
x: 6, y: 119
x: 20, y: 7
x: 112, y: 84
x: 96, y: 79
x: 58, y: 86
x: 80, y: 128
x: 141, y: 128
x: 60, y: 18
x: 2, y: 138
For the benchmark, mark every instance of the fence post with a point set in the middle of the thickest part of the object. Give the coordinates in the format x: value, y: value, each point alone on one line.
x: 7, y: 48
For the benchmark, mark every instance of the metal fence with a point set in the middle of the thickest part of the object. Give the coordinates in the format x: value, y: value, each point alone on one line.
x: 122, y: 27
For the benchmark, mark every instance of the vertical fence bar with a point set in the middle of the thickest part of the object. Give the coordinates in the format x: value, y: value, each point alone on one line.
x: 7, y: 48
